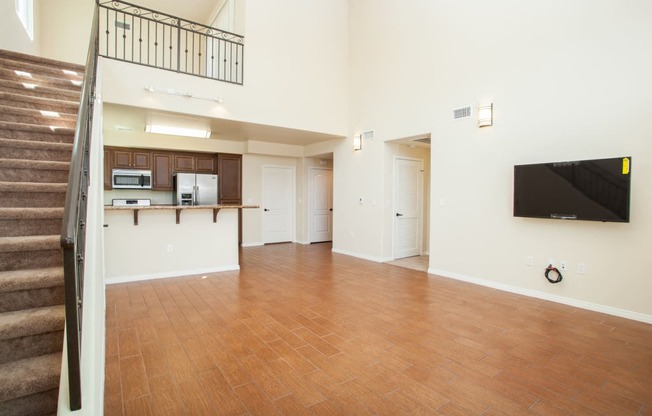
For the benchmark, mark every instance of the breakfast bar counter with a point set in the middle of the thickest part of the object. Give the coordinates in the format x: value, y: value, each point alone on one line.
x: 196, y: 240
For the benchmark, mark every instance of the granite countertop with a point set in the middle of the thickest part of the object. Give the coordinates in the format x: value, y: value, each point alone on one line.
x: 175, y: 207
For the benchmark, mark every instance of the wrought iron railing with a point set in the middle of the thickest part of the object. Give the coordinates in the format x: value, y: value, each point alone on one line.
x: 147, y: 37
x: 73, y: 231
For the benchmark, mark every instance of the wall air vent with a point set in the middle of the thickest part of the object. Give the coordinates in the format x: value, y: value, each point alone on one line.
x: 367, y: 135
x: 122, y: 25
x: 463, y: 112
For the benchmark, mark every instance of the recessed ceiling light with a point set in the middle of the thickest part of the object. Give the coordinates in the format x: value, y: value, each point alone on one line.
x: 178, y: 131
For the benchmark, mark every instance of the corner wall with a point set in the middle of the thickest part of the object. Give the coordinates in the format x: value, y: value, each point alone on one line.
x: 13, y: 36
x: 579, y: 91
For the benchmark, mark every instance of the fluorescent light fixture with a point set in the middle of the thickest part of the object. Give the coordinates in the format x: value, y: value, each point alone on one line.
x: 23, y: 74
x: 485, y: 115
x: 357, y: 142
x: 178, y: 131
x: 49, y: 113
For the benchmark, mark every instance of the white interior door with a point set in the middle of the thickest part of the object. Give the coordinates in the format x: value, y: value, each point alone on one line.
x: 321, y: 205
x: 408, y: 190
x: 278, y: 204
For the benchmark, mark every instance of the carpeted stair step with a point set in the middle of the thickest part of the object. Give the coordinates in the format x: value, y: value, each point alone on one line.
x: 29, y: 376
x: 30, y: 221
x: 32, y: 132
x: 33, y: 90
x: 37, y: 103
x: 31, y: 332
x: 32, y: 194
x: 20, y: 170
x: 33, y: 150
x: 43, y: 117
x: 32, y: 252
x: 40, y: 66
x: 44, y: 403
x: 63, y: 82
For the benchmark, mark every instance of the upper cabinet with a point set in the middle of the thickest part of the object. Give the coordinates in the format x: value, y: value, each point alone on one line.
x: 131, y: 159
x: 188, y: 162
x: 162, y: 171
x: 229, y: 176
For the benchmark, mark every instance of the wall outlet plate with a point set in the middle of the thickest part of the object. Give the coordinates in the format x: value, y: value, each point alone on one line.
x: 529, y: 260
x: 581, y: 268
x: 563, y: 265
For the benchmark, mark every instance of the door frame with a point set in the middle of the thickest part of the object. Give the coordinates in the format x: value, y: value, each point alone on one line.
x: 311, y: 207
x: 293, y: 202
x: 420, y: 196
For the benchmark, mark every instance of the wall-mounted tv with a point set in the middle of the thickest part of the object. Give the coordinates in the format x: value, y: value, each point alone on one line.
x: 594, y: 190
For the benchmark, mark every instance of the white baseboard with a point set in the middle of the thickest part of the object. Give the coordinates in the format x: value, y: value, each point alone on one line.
x: 362, y: 256
x: 623, y: 313
x: 251, y: 244
x: 176, y: 273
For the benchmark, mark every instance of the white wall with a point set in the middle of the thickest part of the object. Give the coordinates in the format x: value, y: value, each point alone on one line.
x: 295, y: 71
x: 65, y: 29
x: 568, y: 81
x: 13, y: 35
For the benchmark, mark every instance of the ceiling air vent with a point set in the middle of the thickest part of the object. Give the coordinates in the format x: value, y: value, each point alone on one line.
x: 463, y: 112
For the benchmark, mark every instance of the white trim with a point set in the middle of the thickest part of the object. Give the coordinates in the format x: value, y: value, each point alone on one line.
x: 305, y: 242
x: 258, y: 244
x: 623, y: 313
x: 362, y: 256
x: 176, y: 273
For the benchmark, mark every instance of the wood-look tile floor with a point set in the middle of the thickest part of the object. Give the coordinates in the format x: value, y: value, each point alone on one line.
x: 302, y: 331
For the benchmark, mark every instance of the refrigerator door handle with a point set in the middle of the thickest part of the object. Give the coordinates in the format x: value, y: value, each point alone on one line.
x: 195, y: 193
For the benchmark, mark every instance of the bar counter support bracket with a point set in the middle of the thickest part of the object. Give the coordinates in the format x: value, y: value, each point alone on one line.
x: 178, y: 215
x: 135, y: 217
x: 215, y: 211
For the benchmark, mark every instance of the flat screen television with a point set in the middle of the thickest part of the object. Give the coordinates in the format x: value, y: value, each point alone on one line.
x: 593, y: 190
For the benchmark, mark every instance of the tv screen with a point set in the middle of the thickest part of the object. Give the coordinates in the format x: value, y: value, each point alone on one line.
x: 594, y: 190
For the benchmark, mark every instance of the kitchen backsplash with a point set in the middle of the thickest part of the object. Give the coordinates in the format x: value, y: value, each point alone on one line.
x: 157, y: 197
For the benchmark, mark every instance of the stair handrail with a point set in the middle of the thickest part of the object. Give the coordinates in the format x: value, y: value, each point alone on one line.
x: 73, y: 232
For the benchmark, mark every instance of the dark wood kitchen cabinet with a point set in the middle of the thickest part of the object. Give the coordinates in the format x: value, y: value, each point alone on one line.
x: 107, y: 169
x: 162, y: 171
x: 229, y: 178
x: 184, y: 162
x: 130, y: 159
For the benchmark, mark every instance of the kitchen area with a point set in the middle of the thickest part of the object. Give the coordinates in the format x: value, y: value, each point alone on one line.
x: 170, y: 213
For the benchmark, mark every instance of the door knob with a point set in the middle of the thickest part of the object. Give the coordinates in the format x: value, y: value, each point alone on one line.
x: 399, y: 215
x: 265, y: 209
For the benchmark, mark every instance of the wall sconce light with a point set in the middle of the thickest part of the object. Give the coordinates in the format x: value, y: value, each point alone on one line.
x: 485, y: 115
x: 357, y: 142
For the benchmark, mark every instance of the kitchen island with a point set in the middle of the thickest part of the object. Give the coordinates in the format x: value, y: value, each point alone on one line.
x: 158, y: 241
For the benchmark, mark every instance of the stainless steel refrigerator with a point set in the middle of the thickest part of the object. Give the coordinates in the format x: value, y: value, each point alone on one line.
x: 195, y: 189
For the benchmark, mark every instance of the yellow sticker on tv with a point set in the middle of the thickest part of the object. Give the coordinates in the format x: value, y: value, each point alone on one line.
x: 626, y: 166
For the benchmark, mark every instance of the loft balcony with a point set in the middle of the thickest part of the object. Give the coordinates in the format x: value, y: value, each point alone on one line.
x: 142, y: 36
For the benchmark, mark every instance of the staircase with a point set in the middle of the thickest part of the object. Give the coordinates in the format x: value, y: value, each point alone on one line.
x: 38, y: 113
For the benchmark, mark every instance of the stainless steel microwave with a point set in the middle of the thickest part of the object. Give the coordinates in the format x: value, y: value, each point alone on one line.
x: 131, y: 179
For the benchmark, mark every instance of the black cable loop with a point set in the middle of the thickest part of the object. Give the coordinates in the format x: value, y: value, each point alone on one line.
x: 553, y: 269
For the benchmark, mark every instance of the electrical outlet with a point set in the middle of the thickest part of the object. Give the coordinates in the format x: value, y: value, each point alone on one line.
x: 169, y: 248
x: 563, y: 266
x: 529, y: 260
x: 581, y: 268
x: 551, y: 262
